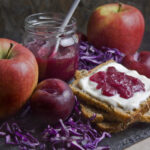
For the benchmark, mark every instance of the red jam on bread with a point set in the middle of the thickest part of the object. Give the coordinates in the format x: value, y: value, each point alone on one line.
x: 112, y: 82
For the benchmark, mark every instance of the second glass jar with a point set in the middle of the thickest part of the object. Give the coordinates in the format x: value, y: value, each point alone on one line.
x: 41, y: 32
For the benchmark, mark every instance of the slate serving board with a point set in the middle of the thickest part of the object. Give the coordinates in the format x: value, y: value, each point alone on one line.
x: 118, y: 141
x: 135, y: 133
x: 130, y: 136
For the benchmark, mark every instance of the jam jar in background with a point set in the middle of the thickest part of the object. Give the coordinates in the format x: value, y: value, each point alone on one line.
x: 41, y: 31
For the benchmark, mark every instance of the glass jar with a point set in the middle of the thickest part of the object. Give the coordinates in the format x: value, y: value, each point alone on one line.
x: 41, y: 35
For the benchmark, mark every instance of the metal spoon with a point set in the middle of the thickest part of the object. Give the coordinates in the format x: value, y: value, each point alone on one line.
x: 64, y: 24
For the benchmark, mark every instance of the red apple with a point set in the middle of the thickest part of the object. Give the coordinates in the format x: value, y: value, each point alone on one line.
x: 118, y: 26
x: 81, y: 36
x: 139, y: 62
x: 18, y: 76
x: 53, y: 99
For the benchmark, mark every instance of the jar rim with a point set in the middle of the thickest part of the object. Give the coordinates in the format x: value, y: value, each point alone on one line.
x: 47, y: 18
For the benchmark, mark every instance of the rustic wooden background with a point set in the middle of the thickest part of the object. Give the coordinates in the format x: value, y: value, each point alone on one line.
x: 13, y: 13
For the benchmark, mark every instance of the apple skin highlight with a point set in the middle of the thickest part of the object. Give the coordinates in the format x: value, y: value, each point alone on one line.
x: 116, y: 28
x: 18, y: 77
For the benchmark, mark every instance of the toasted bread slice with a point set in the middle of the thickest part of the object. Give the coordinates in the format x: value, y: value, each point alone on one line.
x: 111, y: 127
x: 99, y: 115
x: 107, y: 122
x: 102, y: 120
x: 145, y: 117
x: 98, y: 119
x: 120, y: 114
x: 90, y: 113
x: 80, y: 73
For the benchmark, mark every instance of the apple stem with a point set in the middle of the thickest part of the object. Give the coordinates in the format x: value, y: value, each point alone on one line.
x: 9, y: 51
x: 119, y: 8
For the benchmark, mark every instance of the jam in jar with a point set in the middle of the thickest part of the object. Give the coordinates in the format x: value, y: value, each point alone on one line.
x: 41, y: 35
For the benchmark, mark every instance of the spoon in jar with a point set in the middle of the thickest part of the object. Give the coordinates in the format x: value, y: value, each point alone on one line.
x: 64, y: 24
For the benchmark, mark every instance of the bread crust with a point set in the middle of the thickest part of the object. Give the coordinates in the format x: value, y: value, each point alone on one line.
x: 111, y: 127
x: 145, y: 117
x: 106, y: 122
x: 120, y: 114
x: 88, y: 112
x: 91, y: 114
x: 103, y: 121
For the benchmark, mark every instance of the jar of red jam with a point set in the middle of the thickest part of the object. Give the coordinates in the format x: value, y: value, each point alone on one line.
x: 41, y: 35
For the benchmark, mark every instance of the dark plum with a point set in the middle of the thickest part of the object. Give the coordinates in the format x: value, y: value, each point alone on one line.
x: 53, y: 99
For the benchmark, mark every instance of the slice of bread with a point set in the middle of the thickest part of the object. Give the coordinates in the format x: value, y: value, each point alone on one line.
x: 105, y: 121
x: 111, y: 127
x: 145, y: 117
x: 100, y: 121
x: 120, y: 114
x: 80, y: 73
x: 99, y: 115
x: 91, y: 114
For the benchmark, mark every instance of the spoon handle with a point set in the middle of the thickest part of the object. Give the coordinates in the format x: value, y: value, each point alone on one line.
x: 64, y: 24
x: 69, y: 15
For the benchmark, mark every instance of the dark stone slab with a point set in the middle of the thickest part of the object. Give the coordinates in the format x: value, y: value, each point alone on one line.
x: 130, y: 136
x: 135, y: 133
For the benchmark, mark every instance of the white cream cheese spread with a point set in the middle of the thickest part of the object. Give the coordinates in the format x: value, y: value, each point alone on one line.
x: 133, y: 102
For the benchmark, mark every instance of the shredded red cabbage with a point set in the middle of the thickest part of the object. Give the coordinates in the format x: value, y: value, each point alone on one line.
x: 91, y: 57
x: 73, y: 133
x: 16, y: 136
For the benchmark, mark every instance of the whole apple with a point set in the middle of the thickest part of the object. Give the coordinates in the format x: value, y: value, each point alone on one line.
x: 81, y: 36
x: 52, y: 100
x: 139, y: 62
x: 118, y: 26
x: 18, y: 76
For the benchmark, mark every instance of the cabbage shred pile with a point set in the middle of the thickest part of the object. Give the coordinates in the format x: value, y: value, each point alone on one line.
x: 70, y: 134
x: 90, y: 57
x: 73, y: 133
x: 23, y: 139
